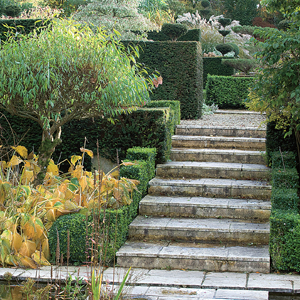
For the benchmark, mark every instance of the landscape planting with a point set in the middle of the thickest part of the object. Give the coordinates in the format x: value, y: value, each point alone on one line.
x: 87, y: 86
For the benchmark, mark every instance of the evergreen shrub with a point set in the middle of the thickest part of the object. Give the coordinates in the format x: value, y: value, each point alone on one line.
x: 287, y: 178
x: 174, y: 31
x: 214, y: 66
x: 284, y: 243
x: 284, y: 199
x: 224, y: 48
x: 145, y: 127
x: 117, y: 222
x: 289, y: 159
x: 192, y: 35
x: 275, y: 139
x: 180, y: 65
x: 227, y: 91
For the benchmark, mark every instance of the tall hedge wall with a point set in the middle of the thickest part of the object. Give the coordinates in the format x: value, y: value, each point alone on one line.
x: 146, y: 127
x: 193, y: 35
x: 214, y: 66
x: 23, y: 26
x: 180, y: 65
x: 227, y: 91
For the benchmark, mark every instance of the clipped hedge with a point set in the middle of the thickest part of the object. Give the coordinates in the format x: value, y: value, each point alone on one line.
x: 23, y: 26
x: 275, y: 139
x: 287, y: 178
x: 214, y: 66
x: 192, y: 35
x: 180, y: 65
x: 115, y: 223
x: 146, y: 127
x: 286, y: 159
x: 284, y: 243
x: 227, y: 91
x: 284, y: 199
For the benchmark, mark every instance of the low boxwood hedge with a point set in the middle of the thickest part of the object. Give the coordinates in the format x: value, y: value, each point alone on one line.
x: 111, y: 226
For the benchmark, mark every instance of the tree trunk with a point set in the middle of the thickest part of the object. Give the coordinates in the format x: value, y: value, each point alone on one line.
x: 45, y: 152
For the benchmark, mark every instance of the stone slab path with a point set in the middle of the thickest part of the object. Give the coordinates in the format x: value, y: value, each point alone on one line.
x: 175, y: 284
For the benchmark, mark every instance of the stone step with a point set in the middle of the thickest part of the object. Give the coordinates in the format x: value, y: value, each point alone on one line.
x: 219, y: 142
x: 238, y: 112
x: 218, y: 155
x: 189, y: 169
x: 194, y: 257
x: 220, y: 131
x: 228, y: 231
x: 207, y: 187
x: 201, y: 207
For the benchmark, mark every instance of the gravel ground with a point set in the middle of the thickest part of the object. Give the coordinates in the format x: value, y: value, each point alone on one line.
x: 229, y: 120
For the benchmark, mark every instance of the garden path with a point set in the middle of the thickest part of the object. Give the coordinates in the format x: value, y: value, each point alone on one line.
x: 207, y: 209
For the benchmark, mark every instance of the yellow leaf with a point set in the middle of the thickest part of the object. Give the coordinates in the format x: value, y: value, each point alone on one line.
x: 88, y: 152
x: 114, y: 174
x: 7, y: 234
x: 11, y: 260
x: 53, y: 168
x: 27, y: 248
x: 3, y: 164
x: 21, y: 150
x: 26, y: 261
x: 70, y: 206
x: 74, y: 159
x: 16, y: 241
x: 78, y: 171
x: 15, y: 160
x: 45, y: 248
x: 83, y: 182
x: 50, y: 215
x: 39, y: 258
x: 27, y: 176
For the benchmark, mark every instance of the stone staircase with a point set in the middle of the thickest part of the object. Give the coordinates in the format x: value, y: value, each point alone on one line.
x: 207, y: 209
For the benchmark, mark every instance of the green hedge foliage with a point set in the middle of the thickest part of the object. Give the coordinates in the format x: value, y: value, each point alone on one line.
x: 114, y: 224
x: 275, y: 139
x: 23, y: 26
x: 284, y: 243
x: 284, y: 199
x: 287, y: 178
x: 146, y: 127
x: 227, y: 91
x: 285, y: 159
x: 214, y: 66
x: 180, y: 65
x: 193, y: 35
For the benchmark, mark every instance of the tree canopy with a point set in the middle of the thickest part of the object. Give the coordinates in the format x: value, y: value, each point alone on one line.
x: 67, y: 72
x: 277, y: 89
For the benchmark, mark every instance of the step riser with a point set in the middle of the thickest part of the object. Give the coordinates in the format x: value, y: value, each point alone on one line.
x: 196, y: 235
x: 194, y: 264
x: 257, y: 146
x: 226, y: 158
x: 220, y: 132
x: 208, y: 191
x: 164, y: 171
x: 257, y: 215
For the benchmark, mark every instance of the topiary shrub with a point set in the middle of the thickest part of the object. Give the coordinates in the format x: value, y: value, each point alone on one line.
x: 243, y: 65
x: 205, y: 3
x: 174, y: 31
x: 224, y: 22
x: 12, y: 10
x: 244, y: 29
x: 224, y: 48
x: 235, y: 49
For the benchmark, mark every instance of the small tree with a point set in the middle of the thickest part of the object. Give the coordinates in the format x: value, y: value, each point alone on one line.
x: 67, y: 72
x: 277, y: 88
